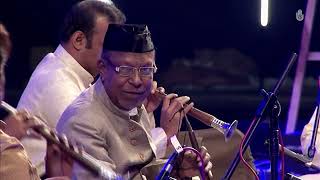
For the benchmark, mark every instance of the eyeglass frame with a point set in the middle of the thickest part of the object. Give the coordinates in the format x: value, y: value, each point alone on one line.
x: 117, y: 69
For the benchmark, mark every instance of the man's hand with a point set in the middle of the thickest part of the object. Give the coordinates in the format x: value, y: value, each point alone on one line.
x: 190, y: 164
x: 152, y: 102
x: 18, y: 124
x: 172, y: 113
x: 58, y: 163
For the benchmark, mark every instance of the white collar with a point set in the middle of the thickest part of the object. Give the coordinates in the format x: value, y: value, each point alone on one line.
x: 70, y: 62
x: 133, y: 111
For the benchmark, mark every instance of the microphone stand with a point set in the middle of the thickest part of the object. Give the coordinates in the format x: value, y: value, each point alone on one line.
x: 269, y: 104
x: 312, y: 146
x: 274, y: 139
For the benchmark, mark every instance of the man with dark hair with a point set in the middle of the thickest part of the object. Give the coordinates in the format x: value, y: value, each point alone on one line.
x: 61, y: 76
x: 110, y: 119
x: 82, y: 18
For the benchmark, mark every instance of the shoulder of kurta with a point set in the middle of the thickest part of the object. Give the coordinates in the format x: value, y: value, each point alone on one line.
x: 15, y: 164
x: 80, y: 113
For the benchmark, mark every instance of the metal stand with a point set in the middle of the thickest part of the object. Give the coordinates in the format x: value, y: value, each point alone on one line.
x: 274, y: 139
x: 267, y: 104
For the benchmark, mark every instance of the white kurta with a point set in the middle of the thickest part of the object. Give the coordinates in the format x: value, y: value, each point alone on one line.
x: 55, y: 83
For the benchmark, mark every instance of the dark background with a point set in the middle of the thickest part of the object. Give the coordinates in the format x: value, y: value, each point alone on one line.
x: 181, y: 29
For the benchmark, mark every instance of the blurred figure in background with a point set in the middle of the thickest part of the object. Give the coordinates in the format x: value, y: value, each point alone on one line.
x: 14, y: 162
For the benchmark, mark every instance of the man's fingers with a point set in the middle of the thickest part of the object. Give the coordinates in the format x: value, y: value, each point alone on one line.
x: 203, y: 153
x: 24, y: 116
x: 166, y: 101
x: 161, y: 89
x: 210, y: 175
x: 190, y: 155
x: 188, y: 107
x: 177, y: 104
x: 208, y: 167
x: 154, y: 87
x: 203, y: 150
x: 206, y: 160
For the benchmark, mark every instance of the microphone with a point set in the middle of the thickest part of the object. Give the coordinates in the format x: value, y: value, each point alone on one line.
x: 312, y: 146
x: 167, y: 168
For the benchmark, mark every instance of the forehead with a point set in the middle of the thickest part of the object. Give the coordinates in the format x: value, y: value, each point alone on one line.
x: 129, y: 58
x: 101, y: 24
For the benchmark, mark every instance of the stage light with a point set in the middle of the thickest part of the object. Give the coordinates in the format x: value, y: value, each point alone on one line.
x: 264, y: 12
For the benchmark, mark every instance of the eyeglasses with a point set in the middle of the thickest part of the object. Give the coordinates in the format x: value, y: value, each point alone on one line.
x: 129, y: 70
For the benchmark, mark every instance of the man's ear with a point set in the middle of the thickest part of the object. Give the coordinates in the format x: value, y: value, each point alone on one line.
x: 101, y: 66
x: 103, y: 69
x: 78, y: 40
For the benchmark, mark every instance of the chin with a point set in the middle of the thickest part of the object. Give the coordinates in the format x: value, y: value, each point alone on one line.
x: 128, y: 107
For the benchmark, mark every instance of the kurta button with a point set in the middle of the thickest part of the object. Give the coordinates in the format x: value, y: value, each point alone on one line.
x: 141, y: 156
x: 131, y: 129
x: 133, y: 142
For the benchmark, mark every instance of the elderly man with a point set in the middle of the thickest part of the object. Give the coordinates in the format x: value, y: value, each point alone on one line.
x: 62, y: 75
x: 109, y: 118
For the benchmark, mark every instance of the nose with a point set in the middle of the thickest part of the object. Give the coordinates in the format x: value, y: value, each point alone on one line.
x: 135, y: 79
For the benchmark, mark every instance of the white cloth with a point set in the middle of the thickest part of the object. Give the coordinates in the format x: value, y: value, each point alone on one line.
x: 306, y: 139
x: 310, y: 176
x: 55, y: 83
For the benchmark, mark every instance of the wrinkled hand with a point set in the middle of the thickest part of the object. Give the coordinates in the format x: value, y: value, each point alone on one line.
x: 152, y: 102
x: 191, y: 163
x: 18, y: 124
x: 58, y: 163
x: 172, y: 113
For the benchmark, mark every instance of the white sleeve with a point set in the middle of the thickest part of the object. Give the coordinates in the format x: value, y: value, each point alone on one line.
x: 159, y: 140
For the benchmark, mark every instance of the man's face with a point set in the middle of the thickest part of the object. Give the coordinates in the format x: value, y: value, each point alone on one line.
x: 127, y: 92
x: 92, y: 53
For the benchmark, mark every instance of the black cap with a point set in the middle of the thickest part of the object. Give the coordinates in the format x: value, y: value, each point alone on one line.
x: 128, y: 38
